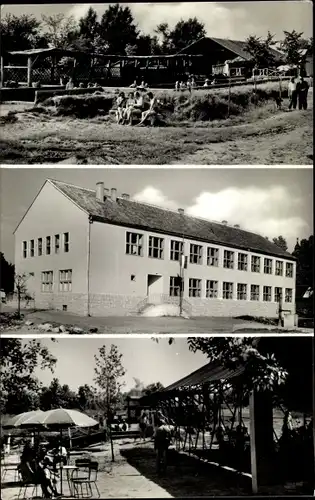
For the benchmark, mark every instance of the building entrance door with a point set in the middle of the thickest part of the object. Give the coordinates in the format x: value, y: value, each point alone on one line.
x: 155, y: 288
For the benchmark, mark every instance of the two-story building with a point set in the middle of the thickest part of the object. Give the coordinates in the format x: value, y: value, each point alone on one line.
x: 96, y: 253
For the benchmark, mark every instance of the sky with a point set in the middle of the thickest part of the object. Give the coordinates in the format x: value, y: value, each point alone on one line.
x: 271, y: 202
x: 235, y: 20
x: 143, y: 359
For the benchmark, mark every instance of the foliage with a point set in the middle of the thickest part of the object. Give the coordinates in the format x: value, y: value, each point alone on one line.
x: 57, y: 396
x: 18, y: 384
x: 260, y: 50
x: 185, y: 33
x: 20, y: 33
x: 108, y: 372
x: 151, y: 388
x: 291, y: 46
x: 304, y: 253
x: 117, y: 29
x: 86, y: 396
x: 20, y: 280
x: 60, y: 29
x: 281, y: 243
x: 6, y: 274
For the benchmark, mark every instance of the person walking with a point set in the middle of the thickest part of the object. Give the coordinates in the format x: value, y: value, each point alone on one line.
x: 292, y: 92
x: 162, y: 441
x: 302, y: 91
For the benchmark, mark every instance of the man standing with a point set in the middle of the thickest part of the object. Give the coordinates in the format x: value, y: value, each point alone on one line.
x: 302, y: 91
x: 292, y: 93
x: 162, y: 441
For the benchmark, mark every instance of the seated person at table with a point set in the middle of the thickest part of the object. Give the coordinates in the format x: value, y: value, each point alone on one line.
x: 60, y: 454
x: 47, y: 473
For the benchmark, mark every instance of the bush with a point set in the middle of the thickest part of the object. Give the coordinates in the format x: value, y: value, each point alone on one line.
x: 82, y: 106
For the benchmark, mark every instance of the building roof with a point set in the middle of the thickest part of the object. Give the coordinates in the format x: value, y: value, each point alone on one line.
x: 235, y: 46
x: 142, y: 216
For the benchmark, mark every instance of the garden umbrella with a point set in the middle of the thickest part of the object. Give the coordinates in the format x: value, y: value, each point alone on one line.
x: 60, y: 418
x: 16, y: 421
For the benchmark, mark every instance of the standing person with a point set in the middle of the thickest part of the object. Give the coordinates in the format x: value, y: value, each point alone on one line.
x: 292, y: 92
x: 302, y: 91
x: 143, y: 421
x: 162, y: 441
x: 177, y: 86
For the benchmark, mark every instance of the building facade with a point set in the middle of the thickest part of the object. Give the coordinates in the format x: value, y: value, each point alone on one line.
x: 92, y: 252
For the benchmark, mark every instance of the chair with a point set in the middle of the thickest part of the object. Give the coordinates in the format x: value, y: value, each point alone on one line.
x: 87, y: 479
x: 28, y: 484
x: 7, y: 466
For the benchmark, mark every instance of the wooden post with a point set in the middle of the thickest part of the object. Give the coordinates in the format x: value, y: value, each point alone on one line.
x: 111, y: 443
x: 29, y: 71
x: 1, y: 71
x: 261, y: 439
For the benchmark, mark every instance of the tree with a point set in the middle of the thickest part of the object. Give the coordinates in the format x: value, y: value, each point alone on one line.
x: 86, y: 397
x: 87, y: 36
x: 185, y: 33
x: 260, y: 50
x: 281, y: 243
x: 6, y: 274
x: 20, y: 33
x: 117, y: 29
x: 151, y: 388
x: 61, y: 30
x: 18, y: 362
x: 163, y: 34
x: 292, y: 45
x: 108, y: 372
x: 57, y: 396
x: 20, y: 280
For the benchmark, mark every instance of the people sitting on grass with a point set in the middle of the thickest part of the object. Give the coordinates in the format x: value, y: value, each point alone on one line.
x: 151, y: 112
x: 207, y: 83
x: 133, y: 85
x: 143, y: 85
x: 135, y: 109
x: 121, y: 107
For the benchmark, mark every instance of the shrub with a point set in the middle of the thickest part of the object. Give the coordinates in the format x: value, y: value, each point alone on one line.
x: 82, y: 106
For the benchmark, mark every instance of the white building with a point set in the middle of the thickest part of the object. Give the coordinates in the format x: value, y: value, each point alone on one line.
x: 93, y: 252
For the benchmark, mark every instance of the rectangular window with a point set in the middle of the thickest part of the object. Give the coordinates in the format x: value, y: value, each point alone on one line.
x: 40, y: 246
x: 242, y: 262
x: 177, y: 249
x: 174, y: 288
x: 254, y: 292
x: 134, y: 244
x: 194, y: 287
x: 288, y: 294
x: 228, y: 259
x: 212, y: 256
x: 241, y: 291
x: 65, y: 280
x: 156, y: 247
x: 66, y: 242
x: 279, y: 268
x: 32, y: 248
x: 195, y: 254
x: 57, y: 243
x: 278, y: 294
x: 47, y: 281
x: 255, y: 264
x: 48, y: 245
x: 267, y: 294
x: 227, y: 290
x: 268, y: 266
x: 289, y: 270
x: 211, y: 289
x: 24, y: 249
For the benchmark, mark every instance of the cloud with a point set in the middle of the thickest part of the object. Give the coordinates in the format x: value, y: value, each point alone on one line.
x: 269, y: 212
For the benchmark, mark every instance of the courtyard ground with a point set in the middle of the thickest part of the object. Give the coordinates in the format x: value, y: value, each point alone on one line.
x: 138, y: 324
x: 262, y: 135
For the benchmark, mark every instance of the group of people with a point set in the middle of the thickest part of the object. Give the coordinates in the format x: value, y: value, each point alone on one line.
x: 298, y: 91
x: 39, y: 465
x: 136, y: 104
x: 189, y: 85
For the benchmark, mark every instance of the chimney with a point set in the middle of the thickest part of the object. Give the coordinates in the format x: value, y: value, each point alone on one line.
x: 100, y: 191
x: 113, y: 194
x: 237, y: 226
x: 181, y: 211
x: 125, y: 196
x: 224, y: 222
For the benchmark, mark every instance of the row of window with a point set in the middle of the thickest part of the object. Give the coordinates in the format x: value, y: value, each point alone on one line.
x: 243, y: 291
x: 134, y: 246
x: 58, y: 242
x: 65, y: 281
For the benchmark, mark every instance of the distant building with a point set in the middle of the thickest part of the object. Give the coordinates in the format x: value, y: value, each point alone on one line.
x: 96, y: 253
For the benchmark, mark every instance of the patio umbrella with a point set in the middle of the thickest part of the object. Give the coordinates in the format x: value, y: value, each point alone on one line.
x: 16, y: 421
x: 60, y: 418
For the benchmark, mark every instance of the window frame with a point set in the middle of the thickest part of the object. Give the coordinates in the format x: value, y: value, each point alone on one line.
x: 39, y: 247
x: 240, y: 291
x: 66, y: 242
x: 174, y: 251
x: 24, y: 249
x: 48, y: 245
x: 254, y: 264
x: 212, y: 292
x: 138, y: 245
x: 286, y: 290
x: 46, y: 281
x: 153, y: 248
x: 240, y: 262
x: 198, y: 253
x: 289, y: 269
x: 255, y: 293
x: 279, y: 268
x: 65, y: 281
x: 214, y: 258
x: 192, y: 287
x: 226, y: 291
x: 267, y: 267
x: 227, y: 260
x: 267, y: 293
x: 173, y: 288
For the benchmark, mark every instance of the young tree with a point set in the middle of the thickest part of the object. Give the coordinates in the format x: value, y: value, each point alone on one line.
x: 292, y: 45
x: 20, y: 33
x: 18, y: 362
x: 20, y: 280
x: 61, y: 30
x: 185, y: 33
x: 6, y: 274
x: 108, y: 372
x: 260, y: 50
x: 117, y: 29
x: 281, y: 243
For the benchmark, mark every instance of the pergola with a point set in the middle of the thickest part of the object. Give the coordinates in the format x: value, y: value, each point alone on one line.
x: 209, y: 400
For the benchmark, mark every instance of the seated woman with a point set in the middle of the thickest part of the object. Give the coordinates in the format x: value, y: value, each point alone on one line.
x: 47, y: 473
x: 136, y: 108
x: 121, y: 106
x: 32, y: 470
x: 151, y: 112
